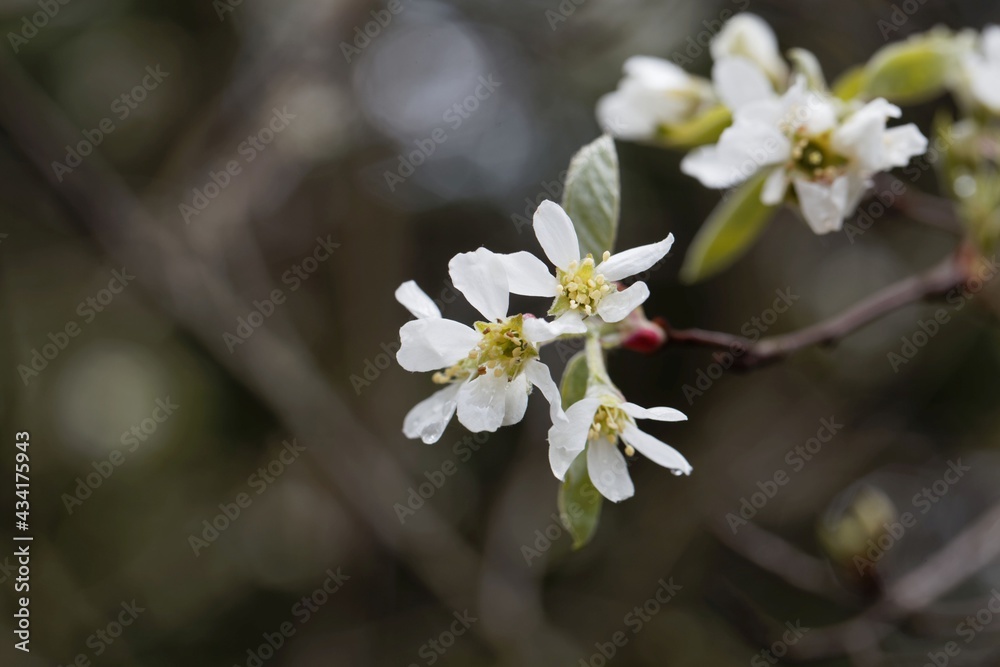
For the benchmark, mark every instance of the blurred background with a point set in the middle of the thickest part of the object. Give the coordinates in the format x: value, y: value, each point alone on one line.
x: 205, y: 208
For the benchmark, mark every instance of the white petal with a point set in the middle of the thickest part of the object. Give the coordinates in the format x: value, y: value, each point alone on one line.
x: 528, y: 275
x: 481, y: 277
x: 809, y: 111
x: 656, y: 451
x: 556, y: 234
x: 568, y: 437
x: 654, y: 92
x: 659, y: 414
x: 538, y: 374
x: 634, y: 260
x: 739, y: 82
x: 516, y: 400
x: 823, y: 206
x: 482, y: 402
x: 743, y: 149
x: 608, y: 470
x: 616, y: 306
x: 655, y: 72
x: 430, y: 344
x: 904, y: 142
x: 750, y: 36
x: 775, y: 187
x: 541, y: 331
x: 560, y: 461
x: 428, y: 418
x: 416, y: 301
x: 861, y: 135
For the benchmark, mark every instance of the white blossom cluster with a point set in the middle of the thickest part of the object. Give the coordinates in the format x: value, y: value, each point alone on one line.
x: 488, y: 370
x: 817, y: 150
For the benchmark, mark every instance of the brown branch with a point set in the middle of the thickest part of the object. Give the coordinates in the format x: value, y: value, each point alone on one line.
x: 950, y: 273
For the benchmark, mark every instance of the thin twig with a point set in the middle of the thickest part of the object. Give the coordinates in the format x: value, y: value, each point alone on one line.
x: 950, y: 273
x: 782, y: 559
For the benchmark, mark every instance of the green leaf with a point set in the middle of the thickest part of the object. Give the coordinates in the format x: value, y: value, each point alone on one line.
x: 912, y: 71
x: 849, y: 84
x: 574, y: 380
x: 729, y: 231
x: 579, y: 503
x: 705, y: 128
x: 592, y: 196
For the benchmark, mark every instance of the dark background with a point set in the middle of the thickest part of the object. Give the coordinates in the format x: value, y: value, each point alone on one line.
x: 317, y: 371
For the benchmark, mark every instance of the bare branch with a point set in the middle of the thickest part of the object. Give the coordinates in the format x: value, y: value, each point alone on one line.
x: 950, y: 273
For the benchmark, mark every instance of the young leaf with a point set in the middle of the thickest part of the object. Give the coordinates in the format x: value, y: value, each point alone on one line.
x: 593, y: 191
x: 734, y: 224
x: 705, y: 128
x: 574, y: 380
x: 579, y: 503
x: 912, y: 71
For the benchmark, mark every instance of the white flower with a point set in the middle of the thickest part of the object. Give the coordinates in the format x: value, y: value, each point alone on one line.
x: 749, y: 36
x: 982, y: 70
x: 579, y: 286
x: 801, y: 139
x: 653, y: 93
x: 596, y: 423
x: 489, y: 370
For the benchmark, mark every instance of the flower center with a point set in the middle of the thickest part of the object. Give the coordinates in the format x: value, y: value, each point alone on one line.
x: 502, y: 350
x: 580, y: 288
x: 815, y: 157
x: 608, y: 423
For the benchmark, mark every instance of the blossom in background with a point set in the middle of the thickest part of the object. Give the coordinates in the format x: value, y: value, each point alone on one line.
x: 596, y: 423
x: 653, y: 93
x: 488, y: 370
x: 982, y: 70
x: 801, y: 138
x: 750, y: 37
x: 580, y: 285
